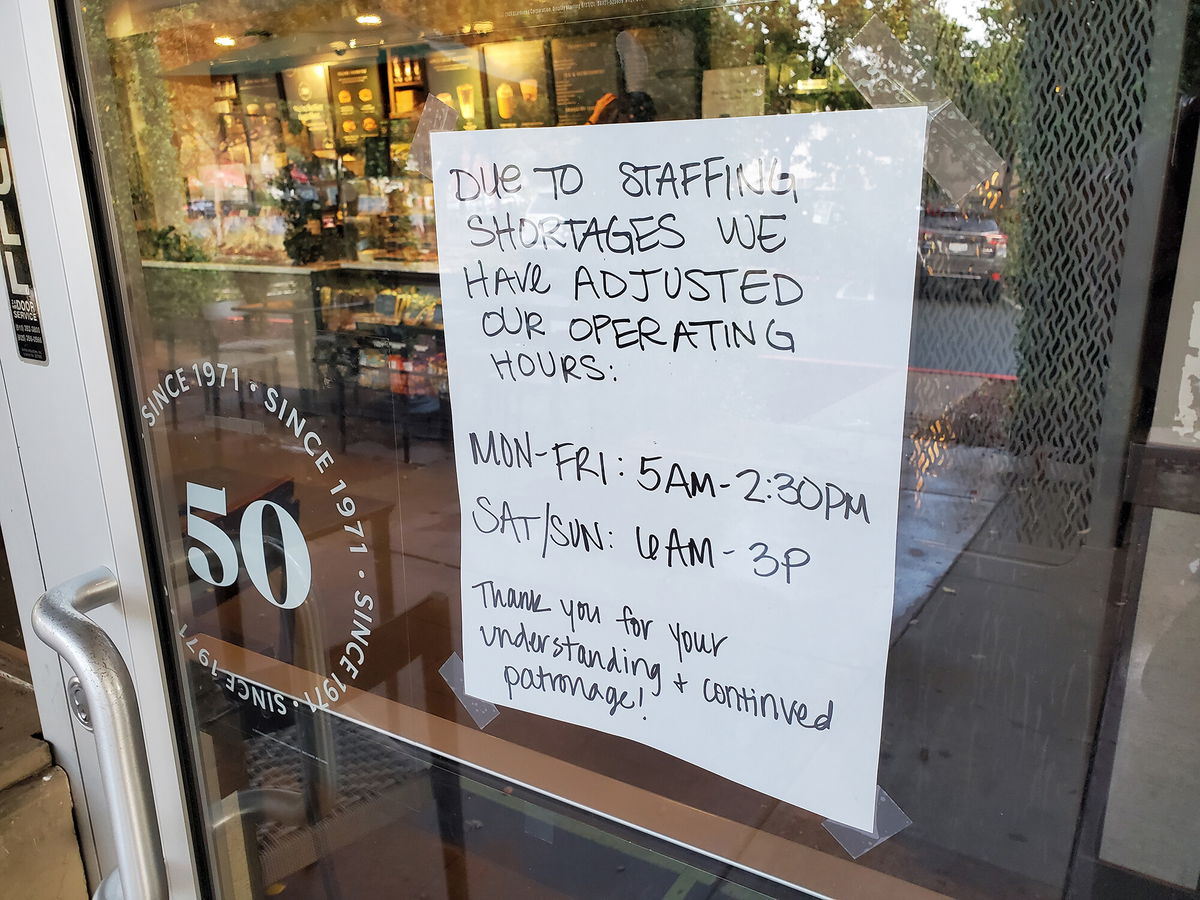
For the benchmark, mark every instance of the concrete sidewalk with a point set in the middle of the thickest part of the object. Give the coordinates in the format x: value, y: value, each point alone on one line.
x: 39, y: 851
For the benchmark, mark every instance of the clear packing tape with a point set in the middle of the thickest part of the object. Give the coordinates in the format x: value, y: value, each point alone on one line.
x: 436, y: 116
x: 957, y: 156
x: 482, y: 711
x: 890, y: 820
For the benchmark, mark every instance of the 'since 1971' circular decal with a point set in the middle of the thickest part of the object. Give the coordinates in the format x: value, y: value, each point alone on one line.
x: 255, y: 546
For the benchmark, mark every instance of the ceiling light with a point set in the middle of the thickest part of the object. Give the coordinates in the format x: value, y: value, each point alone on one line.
x: 224, y: 41
x: 369, y: 19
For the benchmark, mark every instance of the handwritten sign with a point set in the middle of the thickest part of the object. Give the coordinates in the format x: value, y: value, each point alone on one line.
x: 678, y: 356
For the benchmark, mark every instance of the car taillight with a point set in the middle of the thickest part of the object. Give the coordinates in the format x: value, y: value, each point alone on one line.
x: 998, y: 245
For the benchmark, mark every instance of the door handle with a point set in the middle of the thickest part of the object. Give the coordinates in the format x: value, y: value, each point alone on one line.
x: 59, y: 620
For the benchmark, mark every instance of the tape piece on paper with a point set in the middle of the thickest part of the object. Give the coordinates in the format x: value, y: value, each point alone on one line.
x: 482, y: 711
x: 957, y: 155
x: 890, y: 820
x: 436, y: 116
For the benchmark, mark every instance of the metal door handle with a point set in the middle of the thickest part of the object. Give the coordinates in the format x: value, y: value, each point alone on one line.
x: 59, y: 620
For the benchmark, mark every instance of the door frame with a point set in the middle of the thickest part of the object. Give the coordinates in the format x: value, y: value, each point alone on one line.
x: 70, y: 501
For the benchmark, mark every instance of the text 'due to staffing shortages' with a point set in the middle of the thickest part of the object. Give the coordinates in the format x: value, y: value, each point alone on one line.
x: 678, y: 356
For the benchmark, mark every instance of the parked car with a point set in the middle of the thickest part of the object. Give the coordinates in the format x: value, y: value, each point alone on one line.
x: 961, y: 247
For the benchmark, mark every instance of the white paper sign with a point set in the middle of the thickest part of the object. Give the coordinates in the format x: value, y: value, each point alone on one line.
x: 677, y: 357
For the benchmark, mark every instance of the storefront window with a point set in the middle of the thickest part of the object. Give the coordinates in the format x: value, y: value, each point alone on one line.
x: 275, y: 244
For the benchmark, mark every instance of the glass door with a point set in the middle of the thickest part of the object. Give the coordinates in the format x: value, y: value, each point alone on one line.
x: 377, y: 274
x: 68, y: 498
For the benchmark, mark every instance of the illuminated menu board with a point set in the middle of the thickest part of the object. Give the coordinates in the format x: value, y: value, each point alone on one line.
x: 358, y: 106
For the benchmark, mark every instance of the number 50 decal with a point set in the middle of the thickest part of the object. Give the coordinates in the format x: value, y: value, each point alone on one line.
x: 297, y: 565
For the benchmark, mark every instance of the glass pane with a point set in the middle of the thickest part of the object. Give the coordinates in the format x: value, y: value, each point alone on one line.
x: 276, y: 241
x: 1167, y: 620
